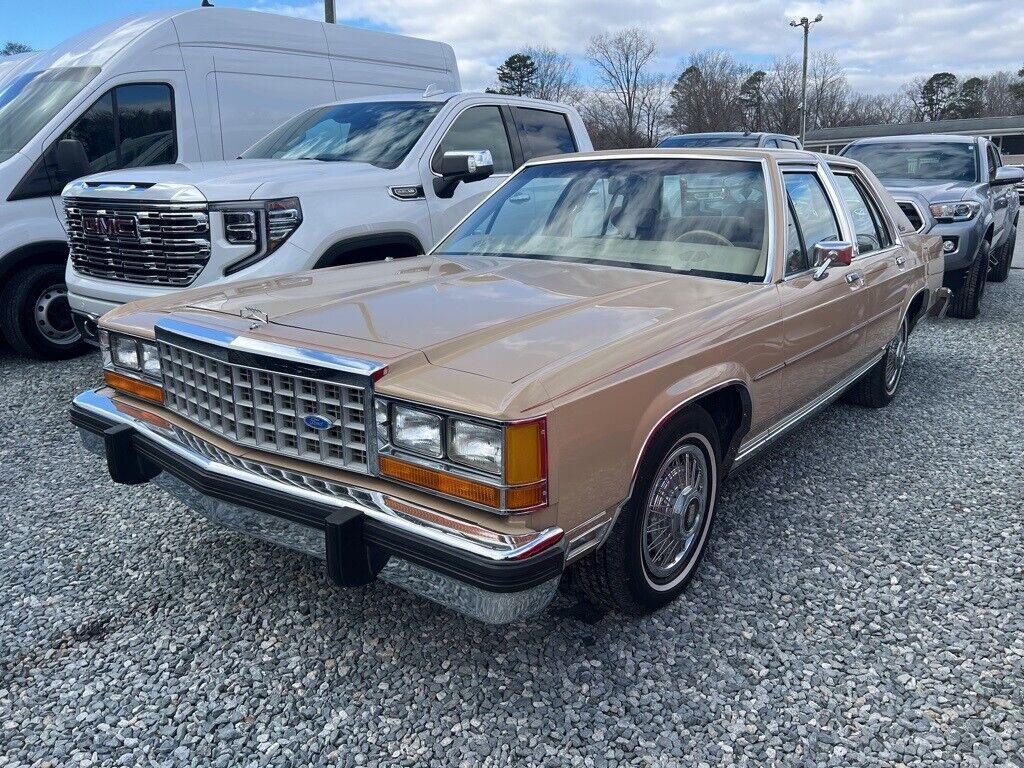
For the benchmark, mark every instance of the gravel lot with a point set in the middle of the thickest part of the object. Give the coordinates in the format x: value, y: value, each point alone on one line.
x: 862, y: 604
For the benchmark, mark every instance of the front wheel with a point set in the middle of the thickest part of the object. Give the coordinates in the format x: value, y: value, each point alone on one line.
x: 663, y: 530
x: 877, y: 387
x: 35, y: 315
x: 966, y: 303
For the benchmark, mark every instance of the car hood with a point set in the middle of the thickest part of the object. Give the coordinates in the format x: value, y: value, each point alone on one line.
x: 223, y: 180
x: 499, y: 318
x: 932, y: 191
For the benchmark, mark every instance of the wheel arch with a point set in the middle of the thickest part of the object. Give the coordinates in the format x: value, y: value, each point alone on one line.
x: 917, y: 306
x: 42, y: 252
x: 334, y: 255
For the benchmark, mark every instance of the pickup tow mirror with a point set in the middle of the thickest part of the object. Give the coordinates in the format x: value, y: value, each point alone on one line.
x: 1007, y: 174
x: 831, y: 253
x: 474, y: 165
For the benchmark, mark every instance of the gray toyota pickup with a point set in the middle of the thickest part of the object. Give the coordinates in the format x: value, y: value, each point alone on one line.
x: 955, y: 187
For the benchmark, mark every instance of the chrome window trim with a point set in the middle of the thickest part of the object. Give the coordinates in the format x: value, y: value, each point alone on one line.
x: 863, y: 186
x: 838, y: 206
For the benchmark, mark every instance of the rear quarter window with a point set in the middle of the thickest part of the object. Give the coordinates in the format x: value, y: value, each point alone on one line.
x: 543, y: 132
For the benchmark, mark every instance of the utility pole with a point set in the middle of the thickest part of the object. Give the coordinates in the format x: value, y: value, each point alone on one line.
x: 329, y: 11
x: 806, y: 24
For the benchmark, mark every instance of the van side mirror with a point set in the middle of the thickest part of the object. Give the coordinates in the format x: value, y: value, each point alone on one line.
x: 831, y: 253
x: 474, y: 165
x: 1007, y: 174
x: 72, y: 162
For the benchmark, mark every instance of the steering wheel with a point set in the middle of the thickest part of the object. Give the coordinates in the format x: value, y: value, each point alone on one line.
x: 704, y: 236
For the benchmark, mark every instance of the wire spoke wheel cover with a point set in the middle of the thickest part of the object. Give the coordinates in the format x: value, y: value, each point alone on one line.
x: 52, y: 315
x: 896, y: 358
x: 678, y: 511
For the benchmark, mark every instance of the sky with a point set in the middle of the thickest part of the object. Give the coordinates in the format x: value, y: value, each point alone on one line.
x: 881, y: 43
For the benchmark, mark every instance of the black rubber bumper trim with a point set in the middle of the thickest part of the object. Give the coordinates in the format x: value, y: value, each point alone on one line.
x: 132, y: 457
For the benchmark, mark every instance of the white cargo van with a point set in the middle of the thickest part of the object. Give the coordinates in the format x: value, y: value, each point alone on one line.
x: 175, y: 87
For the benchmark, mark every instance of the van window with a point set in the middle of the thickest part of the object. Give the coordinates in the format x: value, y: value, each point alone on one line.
x: 543, y: 132
x: 478, y: 128
x: 33, y: 99
x: 129, y: 126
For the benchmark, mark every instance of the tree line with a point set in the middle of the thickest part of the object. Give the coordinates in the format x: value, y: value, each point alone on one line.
x: 629, y: 104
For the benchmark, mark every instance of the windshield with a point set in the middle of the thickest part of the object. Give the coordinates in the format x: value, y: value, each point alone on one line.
x: 380, y: 133
x: 700, y: 217
x: 29, y: 101
x: 710, y: 141
x: 918, y: 160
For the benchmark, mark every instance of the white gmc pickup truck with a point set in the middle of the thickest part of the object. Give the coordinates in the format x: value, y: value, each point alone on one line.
x: 343, y: 183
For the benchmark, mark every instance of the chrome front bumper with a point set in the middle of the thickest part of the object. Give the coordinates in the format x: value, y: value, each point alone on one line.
x: 361, y: 534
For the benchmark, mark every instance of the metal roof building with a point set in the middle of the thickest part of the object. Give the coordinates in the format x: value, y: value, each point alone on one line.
x: 1006, y: 132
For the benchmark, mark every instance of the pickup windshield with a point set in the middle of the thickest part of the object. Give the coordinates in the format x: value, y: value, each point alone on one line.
x: 379, y: 133
x: 689, y: 216
x: 919, y: 160
x: 29, y: 101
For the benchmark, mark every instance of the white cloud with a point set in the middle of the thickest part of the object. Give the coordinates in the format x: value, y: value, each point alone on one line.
x: 882, y: 44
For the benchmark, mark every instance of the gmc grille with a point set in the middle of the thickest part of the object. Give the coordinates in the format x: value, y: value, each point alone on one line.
x: 267, y: 410
x: 138, y: 242
x: 911, y: 212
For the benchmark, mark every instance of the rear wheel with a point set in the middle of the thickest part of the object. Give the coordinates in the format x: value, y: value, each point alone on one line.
x: 966, y: 301
x: 877, y: 387
x: 664, y: 528
x: 35, y: 315
x: 999, y: 268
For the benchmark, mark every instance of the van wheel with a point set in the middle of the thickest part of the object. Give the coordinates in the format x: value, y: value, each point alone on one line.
x: 877, y: 387
x: 35, y: 315
x: 966, y: 303
x: 662, y: 532
x: 1000, y: 270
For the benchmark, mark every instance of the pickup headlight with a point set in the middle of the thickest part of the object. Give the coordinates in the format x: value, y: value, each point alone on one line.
x: 263, y: 225
x: 499, y: 466
x: 131, y: 365
x: 961, y: 211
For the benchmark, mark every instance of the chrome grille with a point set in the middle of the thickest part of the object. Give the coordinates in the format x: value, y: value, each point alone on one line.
x: 911, y: 211
x: 169, y: 243
x: 265, y: 409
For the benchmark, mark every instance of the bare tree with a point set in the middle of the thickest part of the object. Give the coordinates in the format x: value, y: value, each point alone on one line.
x: 828, y: 92
x: 654, y: 95
x: 782, y: 89
x: 556, y: 78
x: 621, y: 60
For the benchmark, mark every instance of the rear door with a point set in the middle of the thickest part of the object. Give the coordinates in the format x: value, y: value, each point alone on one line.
x: 823, y: 319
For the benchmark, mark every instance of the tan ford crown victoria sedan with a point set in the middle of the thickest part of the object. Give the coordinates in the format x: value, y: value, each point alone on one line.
x: 563, y: 383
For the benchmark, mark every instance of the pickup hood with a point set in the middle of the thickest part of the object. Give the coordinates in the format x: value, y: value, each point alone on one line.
x: 224, y: 180
x: 499, y: 318
x: 933, y: 192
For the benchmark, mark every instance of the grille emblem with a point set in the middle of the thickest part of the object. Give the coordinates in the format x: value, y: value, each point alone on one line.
x: 317, y: 422
x: 110, y: 226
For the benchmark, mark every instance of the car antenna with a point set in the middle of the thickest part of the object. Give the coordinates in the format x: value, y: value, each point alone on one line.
x: 432, y: 90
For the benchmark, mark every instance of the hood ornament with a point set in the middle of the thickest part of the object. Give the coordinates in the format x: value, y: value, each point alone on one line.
x: 258, y: 316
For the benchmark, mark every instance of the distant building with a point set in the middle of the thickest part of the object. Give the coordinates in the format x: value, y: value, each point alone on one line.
x: 1006, y: 132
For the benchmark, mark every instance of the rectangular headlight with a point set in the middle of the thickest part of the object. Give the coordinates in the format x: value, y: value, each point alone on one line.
x: 475, y: 445
x: 125, y: 353
x: 417, y: 431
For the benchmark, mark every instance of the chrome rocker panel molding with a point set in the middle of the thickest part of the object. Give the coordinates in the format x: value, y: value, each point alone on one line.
x: 458, y: 565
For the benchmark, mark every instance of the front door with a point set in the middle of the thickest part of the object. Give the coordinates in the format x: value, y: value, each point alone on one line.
x: 823, y: 319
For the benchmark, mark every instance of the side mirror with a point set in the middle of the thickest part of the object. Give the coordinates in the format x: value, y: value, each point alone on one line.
x: 72, y: 162
x: 1007, y: 174
x: 831, y: 253
x: 474, y: 165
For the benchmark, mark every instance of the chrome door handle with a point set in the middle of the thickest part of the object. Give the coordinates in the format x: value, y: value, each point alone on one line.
x: 901, y: 260
x: 854, y: 277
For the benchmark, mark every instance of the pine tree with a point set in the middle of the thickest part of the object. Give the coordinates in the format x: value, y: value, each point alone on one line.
x: 517, y: 76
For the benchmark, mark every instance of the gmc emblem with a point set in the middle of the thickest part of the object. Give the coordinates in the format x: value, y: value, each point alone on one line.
x: 110, y: 226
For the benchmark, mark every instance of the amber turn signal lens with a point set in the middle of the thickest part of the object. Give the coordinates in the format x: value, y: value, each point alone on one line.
x: 526, y: 497
x: 135, y: 387
x: 526, y: 452
x: 440, y: 482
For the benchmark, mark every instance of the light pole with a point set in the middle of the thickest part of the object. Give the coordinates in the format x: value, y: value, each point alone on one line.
x: 329, y: 11
x: 806, y: 24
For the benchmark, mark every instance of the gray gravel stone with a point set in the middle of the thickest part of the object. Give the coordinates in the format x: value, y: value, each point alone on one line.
x: 861, y: 605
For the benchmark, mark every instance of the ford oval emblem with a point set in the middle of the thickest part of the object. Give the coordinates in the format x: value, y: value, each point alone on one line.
x: 317, y: 422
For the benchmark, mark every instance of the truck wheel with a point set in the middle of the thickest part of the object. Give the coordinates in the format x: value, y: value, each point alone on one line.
x: 35, y: 315
x: 664, y: 528
x: 1000, y: 269
x: 966, y: 303
x: 877, y: 387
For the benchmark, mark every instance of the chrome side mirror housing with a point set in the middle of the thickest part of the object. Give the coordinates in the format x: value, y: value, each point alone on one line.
x: 474, y: 165
x: 831, y: 253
